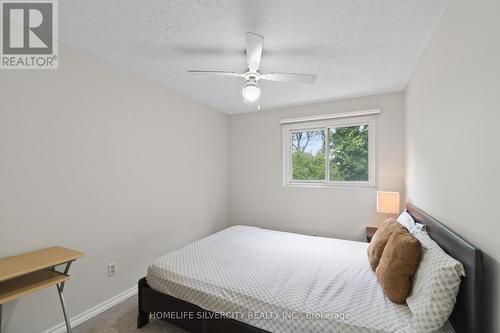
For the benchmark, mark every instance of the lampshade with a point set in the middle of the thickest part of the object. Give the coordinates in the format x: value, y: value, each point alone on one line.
x: 388, y: 202
x: 251, y: 92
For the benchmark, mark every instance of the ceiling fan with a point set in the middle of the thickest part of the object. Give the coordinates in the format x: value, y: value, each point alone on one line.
x: 252, y: 75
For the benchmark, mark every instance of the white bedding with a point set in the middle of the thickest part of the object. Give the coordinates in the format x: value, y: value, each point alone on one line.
x: 282, y: 282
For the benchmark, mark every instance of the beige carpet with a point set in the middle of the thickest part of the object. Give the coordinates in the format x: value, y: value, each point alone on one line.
x: 122, y: 318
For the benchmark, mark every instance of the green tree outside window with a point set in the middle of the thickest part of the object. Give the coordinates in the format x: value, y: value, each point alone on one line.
x: 348, y: 154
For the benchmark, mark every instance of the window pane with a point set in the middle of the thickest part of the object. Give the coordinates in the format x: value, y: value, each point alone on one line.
x: 348, y: 153
x: 308, y: 155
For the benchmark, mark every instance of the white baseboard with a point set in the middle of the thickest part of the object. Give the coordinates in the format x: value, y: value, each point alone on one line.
x: 94, y: 311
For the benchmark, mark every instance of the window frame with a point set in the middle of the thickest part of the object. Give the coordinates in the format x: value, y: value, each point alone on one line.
x: 342, y: 120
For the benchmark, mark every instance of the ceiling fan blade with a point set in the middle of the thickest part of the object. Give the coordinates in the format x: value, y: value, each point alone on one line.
x: 218, y: 73
x: 254, y: 51
x: 290, y: 77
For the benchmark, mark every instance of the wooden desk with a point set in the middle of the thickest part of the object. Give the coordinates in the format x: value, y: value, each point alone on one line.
x: 29, y: 272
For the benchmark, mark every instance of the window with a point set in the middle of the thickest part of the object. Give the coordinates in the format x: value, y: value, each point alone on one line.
x: 330, y: 150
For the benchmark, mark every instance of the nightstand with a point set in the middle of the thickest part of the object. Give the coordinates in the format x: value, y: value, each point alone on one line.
x: 370, y: 231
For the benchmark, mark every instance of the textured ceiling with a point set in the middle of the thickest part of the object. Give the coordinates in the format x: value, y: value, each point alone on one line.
x: 356, y: 47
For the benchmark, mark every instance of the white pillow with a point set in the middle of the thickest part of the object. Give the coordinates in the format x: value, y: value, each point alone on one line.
x: 435, y: 286
x: 419, y: 227
x: 407, y: 221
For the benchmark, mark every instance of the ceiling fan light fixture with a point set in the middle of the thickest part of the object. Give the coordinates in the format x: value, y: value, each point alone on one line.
x: 251, y: 92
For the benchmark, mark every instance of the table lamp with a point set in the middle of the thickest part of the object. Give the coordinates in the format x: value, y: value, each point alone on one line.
x: 388, y: 202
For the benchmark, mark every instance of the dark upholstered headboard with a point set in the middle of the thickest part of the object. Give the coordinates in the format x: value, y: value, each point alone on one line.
x: 466, y: 316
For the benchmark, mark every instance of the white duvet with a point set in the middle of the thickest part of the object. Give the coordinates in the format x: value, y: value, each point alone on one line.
x: 281, y: 282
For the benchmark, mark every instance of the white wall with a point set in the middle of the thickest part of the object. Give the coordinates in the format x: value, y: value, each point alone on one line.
x: 257, y: 196
x: 453, y: 154
x: 100, y: 160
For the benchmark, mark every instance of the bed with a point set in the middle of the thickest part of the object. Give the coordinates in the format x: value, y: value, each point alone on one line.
x: 247, y: 279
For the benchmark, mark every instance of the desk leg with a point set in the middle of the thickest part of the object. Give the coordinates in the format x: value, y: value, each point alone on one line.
x: 1, y: 318
x: 60, y: 288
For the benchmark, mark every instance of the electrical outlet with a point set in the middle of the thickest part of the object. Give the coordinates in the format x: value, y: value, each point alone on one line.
x: 112, y: 269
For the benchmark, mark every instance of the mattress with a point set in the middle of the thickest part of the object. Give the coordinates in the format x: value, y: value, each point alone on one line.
x: 282, y: 282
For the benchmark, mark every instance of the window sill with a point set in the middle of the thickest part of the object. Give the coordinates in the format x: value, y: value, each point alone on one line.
x: 330, y: 185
